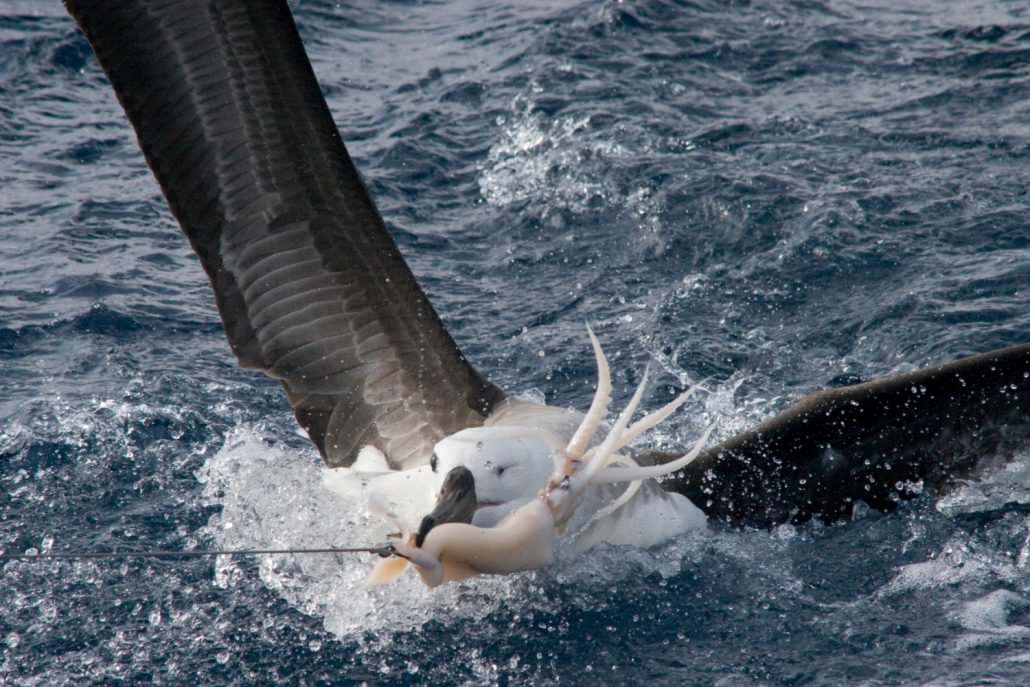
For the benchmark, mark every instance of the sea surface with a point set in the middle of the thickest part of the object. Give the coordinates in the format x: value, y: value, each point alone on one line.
x: 774, y: 195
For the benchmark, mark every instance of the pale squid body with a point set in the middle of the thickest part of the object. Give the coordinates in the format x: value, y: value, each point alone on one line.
x: 531, y: 487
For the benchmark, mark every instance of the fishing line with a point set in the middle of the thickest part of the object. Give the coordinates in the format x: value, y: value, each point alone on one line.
x: 384, y: 551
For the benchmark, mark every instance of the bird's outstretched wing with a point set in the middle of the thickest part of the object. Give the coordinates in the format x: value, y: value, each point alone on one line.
x: 878, y: 442
x: 309, y: 283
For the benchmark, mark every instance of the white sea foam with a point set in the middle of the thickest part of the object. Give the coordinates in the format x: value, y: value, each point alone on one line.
x: 959, y: 562
x: 986, y: 620
x: 542, y: 160
x: 1009, y: 483
x: 561, y: 164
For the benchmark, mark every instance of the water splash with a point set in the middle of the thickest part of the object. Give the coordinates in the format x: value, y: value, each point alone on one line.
x: 272, y: 497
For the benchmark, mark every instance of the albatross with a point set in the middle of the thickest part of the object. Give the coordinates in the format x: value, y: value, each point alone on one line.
x: 313, y: 291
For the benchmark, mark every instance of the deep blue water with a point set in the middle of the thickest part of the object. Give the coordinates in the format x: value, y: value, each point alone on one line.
x: 775, y: 195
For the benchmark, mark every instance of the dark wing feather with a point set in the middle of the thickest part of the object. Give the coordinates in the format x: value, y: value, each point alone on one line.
x: 310, y: 286
x: 865, y: 442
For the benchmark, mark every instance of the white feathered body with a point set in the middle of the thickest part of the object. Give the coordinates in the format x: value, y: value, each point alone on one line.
x: 520, y: 438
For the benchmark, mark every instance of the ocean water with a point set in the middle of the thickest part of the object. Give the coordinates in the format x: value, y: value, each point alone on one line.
x: 775, y: 196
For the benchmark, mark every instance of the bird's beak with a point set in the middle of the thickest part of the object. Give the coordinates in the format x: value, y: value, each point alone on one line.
x: 455, y: 503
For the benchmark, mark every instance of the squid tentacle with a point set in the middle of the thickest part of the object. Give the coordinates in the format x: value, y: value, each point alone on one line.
x: 612, y: 475
x: 605, y: 451
x: 598, y: 407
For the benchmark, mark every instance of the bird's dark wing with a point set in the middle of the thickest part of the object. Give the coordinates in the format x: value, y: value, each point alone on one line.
x: 878, y: 442
x: 310, y: 286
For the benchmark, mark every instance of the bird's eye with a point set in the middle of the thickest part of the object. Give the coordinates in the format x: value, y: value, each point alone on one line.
x: 433, y: 460
x: 500, y: 470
